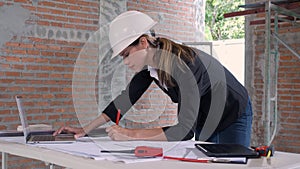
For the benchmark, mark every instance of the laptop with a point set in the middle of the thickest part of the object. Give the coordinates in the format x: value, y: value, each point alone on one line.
x: 227, y: 150
x: 43, y: 137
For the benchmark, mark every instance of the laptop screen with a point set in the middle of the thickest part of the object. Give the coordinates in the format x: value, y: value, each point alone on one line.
x: 22, y: 115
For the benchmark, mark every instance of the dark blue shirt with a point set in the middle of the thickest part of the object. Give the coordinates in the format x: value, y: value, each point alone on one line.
x: 202, y: 86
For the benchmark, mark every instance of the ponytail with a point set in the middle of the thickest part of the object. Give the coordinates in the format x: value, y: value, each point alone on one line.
x: 168, y: 53
x: 171, y: 53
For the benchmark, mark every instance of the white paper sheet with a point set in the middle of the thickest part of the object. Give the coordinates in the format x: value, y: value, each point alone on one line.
x: 129, y: 145
x: 91, y: 148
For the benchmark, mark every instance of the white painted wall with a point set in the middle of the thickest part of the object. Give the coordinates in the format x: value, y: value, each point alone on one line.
x: 231, y: 53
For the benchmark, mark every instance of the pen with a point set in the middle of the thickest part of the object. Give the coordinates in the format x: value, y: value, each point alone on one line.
x: 188, y: 159
x: 118, y: 117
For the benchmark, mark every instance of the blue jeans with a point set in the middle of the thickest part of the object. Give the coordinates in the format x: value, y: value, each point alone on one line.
x: 238, y: 132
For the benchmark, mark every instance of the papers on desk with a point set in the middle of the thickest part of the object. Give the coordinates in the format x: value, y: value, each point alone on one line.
x: 83, y: 149
x: 129, y: 145
x: 91, y: 148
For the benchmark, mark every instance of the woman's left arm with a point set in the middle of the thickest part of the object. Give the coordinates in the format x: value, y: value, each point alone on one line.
x: 116, y: 132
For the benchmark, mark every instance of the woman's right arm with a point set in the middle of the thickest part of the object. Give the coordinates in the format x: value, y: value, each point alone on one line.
x: 138, y: 85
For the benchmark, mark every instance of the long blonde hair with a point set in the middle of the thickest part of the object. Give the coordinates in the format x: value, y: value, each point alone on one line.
x: 171, y: 53
x: 167, y: 55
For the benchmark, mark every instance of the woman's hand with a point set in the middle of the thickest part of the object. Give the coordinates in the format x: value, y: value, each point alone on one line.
x: 116, y: 132
x: 78, y: 132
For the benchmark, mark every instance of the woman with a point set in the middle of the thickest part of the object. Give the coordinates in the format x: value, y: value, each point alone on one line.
x: 212, y: 104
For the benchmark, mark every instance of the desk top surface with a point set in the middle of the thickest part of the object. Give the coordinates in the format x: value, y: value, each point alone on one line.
x: 280, y: 160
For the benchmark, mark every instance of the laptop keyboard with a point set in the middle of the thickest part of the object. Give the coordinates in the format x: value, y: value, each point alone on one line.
x: 43, y: 138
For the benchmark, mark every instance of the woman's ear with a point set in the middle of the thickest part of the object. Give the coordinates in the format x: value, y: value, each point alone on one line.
x: 144, y: 42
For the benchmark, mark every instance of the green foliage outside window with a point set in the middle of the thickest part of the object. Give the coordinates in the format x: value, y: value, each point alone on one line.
x: 219, y: 28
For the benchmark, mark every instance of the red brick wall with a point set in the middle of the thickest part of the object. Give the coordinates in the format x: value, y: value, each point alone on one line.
x: 177, y: 19
x: 288, y: 94
x: 41, y: 69
x: 38, y: 62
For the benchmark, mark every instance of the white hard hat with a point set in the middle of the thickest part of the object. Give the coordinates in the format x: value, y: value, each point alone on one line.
x: 126, y: 28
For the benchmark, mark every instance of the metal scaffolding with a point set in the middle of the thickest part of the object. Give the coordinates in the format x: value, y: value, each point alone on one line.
x: 276, y: 12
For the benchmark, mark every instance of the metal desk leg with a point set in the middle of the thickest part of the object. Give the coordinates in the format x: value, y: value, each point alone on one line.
x: 4, y: 157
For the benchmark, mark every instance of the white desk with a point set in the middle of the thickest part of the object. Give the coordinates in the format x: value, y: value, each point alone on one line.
x: 280, y: 160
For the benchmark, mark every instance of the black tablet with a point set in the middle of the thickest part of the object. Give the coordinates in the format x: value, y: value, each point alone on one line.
x: 227, y: 150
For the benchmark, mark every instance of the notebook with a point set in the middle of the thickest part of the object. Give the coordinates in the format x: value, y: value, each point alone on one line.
x: 44, y: 137
x: 226, y: 150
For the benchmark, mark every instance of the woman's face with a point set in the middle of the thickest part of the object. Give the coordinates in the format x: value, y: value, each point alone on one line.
x: 136, y: 57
